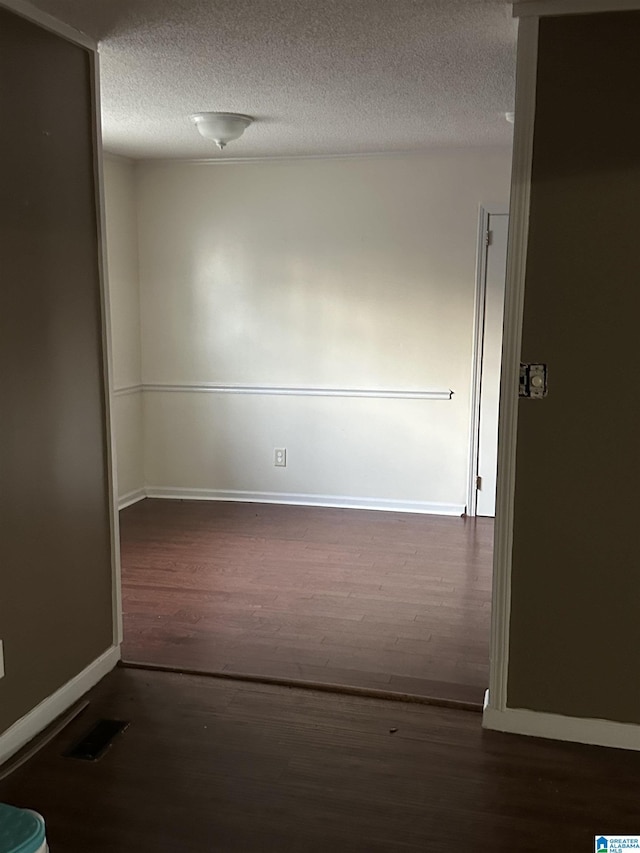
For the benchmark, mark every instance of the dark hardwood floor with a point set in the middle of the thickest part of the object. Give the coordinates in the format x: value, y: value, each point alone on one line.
x: 386, y: 601
x: 210, y: 765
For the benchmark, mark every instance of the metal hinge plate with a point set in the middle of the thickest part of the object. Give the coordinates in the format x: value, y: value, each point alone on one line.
x: 533, y: 381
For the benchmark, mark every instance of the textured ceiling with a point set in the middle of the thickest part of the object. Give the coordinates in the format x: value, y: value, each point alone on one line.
x: 320, y: 76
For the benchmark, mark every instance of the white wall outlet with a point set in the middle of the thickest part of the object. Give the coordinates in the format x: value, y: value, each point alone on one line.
x: 280, y: 457
x: 1, y: 660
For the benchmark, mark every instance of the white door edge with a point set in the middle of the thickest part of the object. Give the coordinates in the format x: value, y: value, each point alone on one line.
x: 485, y: 212
x: 107, y: 357
x: 511, y: 348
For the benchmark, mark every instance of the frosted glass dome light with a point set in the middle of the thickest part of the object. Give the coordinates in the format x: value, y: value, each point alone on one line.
x: 221, y: 128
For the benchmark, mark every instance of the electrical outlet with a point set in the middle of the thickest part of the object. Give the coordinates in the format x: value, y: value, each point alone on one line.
x: 280, y: 457
x: 1, y: 660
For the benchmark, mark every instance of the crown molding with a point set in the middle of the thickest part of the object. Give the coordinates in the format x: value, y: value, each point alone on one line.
x: 542, y: 8
x: 294, y: 158
x: 48, y: 22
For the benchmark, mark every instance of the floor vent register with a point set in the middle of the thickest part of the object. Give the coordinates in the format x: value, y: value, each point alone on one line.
x: 97, y: 741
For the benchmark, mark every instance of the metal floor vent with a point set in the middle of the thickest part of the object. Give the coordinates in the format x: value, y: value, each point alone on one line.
x: 97, y: 741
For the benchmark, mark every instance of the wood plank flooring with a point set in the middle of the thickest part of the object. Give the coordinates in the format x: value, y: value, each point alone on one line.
x: 387, y: 601
x: 209, y: 765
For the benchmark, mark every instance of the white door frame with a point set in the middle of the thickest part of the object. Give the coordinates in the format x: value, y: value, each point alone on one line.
x: 526, y: 72
x: 485, y: 212
x: 497, y: 715
x: 107, y: 355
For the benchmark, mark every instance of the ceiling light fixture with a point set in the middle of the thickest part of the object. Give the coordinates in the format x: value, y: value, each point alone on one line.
x: 221, y: 127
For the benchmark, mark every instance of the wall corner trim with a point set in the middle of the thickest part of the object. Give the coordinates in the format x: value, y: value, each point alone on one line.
x: 595, y: 732
x: 131, y: 498
x: 27, y: 727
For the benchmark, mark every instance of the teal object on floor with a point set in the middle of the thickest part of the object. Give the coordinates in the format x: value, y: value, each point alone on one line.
x: 21, y: 831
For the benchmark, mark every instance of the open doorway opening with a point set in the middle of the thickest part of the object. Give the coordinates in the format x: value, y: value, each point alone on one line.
x: 385, y: 583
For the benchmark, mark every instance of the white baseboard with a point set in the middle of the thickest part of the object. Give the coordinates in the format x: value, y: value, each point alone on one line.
x: 131, y: 498
x: 296, y: 499
x: 27, y: 727
x: 558, y: 727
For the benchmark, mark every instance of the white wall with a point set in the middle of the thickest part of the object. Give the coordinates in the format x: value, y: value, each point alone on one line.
x: 352, y: 273
x: 122, y: 259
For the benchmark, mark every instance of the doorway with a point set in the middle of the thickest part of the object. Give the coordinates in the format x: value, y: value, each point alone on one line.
x: 387, y: 601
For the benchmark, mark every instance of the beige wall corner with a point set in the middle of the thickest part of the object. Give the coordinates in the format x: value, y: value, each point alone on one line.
x: 56, y: 603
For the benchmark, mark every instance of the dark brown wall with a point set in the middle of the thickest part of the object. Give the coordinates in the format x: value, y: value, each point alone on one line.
x: 55, y: 572
x: 575, y: 619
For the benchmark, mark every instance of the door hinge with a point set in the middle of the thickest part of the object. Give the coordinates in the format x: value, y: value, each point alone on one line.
x: 479, y: 483
x: 488, y: 238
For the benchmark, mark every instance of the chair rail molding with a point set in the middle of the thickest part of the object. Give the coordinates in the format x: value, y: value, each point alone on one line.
x: 286, y: 391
